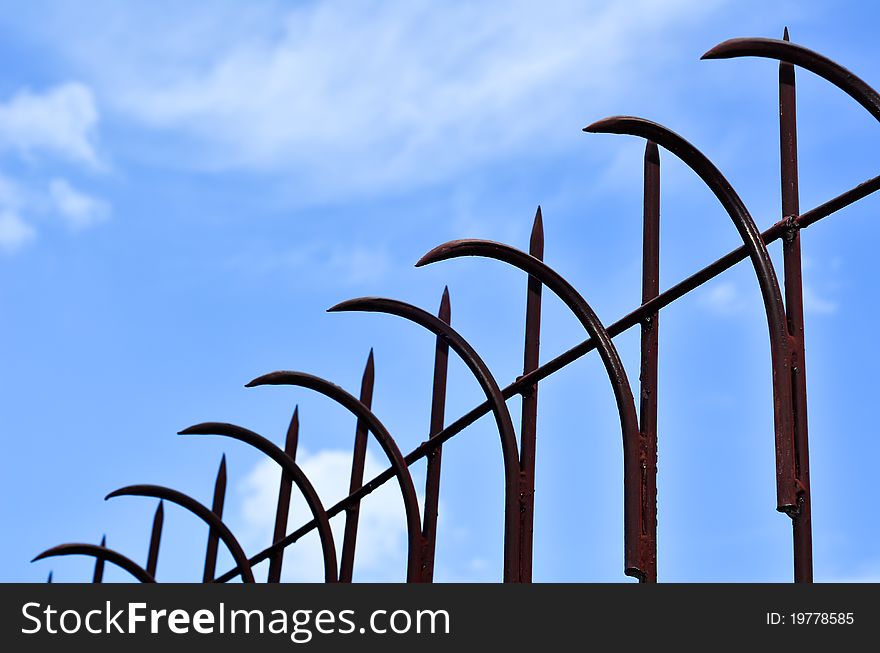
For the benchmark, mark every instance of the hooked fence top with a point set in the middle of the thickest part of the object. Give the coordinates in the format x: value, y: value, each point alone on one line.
x: 783, y: 306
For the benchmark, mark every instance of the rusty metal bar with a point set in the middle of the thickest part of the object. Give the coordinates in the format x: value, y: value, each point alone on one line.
x: 389, y: 447
x: 481, y: 372
x: 187, y: 502
x: 529, y: 417
x: 358, y: 459
x: 282, y: 509
x: 636, y: 553
x: 271, y: 450
x: 649, y: 349
x: 155, y: 539
x: 631, y: 319
x: 98, y: 575
x: 438, y: 414
x: 798, y: 55
x: 771, y: 294
x: 76, y: 548
x: 217, y: 509
x: 794, y: 308
x: 510, y: 455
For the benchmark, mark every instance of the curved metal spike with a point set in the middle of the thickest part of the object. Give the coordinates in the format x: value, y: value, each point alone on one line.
x: 290, y: 467
x: 100, y: 552
x: 798, y: 55
x: 786, y: 485
x: 200, y: 511
x: 638, y: 560
x: 493, y: 393
x: 404, y: 479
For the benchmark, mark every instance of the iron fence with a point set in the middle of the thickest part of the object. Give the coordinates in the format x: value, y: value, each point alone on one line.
x: 783, y: 306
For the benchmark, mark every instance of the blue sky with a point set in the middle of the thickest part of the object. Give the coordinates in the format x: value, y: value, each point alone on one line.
x: 185, y: 190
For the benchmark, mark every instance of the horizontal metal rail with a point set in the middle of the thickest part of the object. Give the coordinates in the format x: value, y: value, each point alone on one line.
x: 527, y: 381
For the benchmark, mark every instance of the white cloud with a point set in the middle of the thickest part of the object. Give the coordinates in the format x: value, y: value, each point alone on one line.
x: 381, y: 544
x: 814, y: 303
x: 378, y: 97
x: 341, y: 264
x: 14, y: 232
x: 359, y: 265
x: 78, y: 209
x: 60, y: 121
x: 723, y: 298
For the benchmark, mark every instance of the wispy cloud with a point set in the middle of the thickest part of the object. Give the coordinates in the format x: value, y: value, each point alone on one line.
x: 14, y: 232
x: 58, y: 124
x: 381, y: 544
x: 723, y: 298
x: 815, y: 303
x: 78, y: 209
x: 378, y: 97
x: 341, y: 264
x: 60, y: 121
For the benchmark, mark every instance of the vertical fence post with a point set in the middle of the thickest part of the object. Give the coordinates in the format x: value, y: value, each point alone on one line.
x: 529, y: 421
x: 794, y: 309
x: 217, y: 509
x: 438, y: 413
x: 352, y: 513
x: 155, y: 539
x: 282, y: 509
x: 649, y: 345
x: 98, y: 576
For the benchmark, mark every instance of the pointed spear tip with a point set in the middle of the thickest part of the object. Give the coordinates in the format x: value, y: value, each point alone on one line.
x: 104, y: 540
x: 49, y: 579
x: 160, y: 509
x: 445, y: 311
x: 290, y: 441
x: 716, y: 52
x: 221, y: 470
x: 785, y: 34
x: 370, y: 367
x: 348, y: 305
x: 605, y: 125
x: 536, y: 241
x: 538, y: 224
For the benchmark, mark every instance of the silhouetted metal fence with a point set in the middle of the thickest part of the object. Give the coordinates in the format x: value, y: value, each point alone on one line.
x: 785, y: 321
